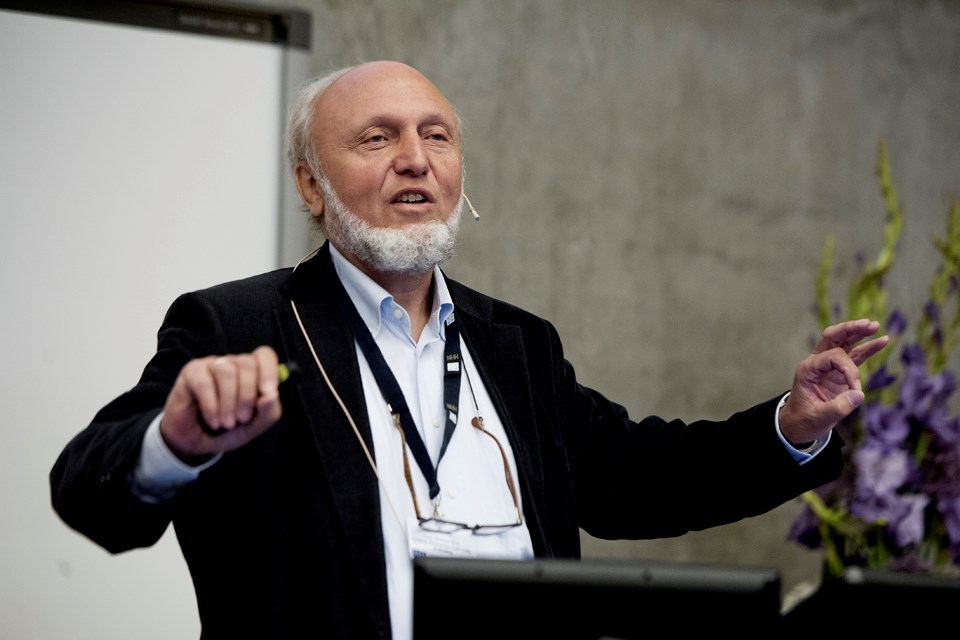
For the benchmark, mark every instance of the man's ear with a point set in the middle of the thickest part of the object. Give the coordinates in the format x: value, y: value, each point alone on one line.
x: 309, y: 187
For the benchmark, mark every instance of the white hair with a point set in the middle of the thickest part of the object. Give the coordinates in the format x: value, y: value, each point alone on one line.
x: 298, y: 140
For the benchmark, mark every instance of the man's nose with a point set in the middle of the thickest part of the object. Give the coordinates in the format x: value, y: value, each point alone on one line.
x: 411, y: 155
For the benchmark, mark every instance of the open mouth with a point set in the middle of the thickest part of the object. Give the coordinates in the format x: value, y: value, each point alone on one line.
x: 412, y: 197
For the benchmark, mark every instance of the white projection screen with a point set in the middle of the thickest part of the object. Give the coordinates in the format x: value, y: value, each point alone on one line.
x: 140, y: 157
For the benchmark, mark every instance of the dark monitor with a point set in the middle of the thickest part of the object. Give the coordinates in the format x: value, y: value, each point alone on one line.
x: 588, y: 599
x: 870, y: 600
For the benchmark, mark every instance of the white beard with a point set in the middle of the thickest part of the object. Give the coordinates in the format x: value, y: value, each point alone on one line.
x: 411, y: 249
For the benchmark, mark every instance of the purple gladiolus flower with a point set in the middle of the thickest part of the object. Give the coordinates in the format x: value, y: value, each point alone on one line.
x: 921, y: 395
x: 945, y: 428
x: 871, y: 508
x: 941, y: 472
x: 902, y: 514
x: 896, y: 323
x: 885, y: 425
x: 881, y: 472
x: 907, y: 527
x: 950, y: 509
x: 896, y: 503
x: 913, y: 356
x: 880, y: 378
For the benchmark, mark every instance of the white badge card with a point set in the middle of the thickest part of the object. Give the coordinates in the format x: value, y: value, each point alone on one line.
x: 513, y: 543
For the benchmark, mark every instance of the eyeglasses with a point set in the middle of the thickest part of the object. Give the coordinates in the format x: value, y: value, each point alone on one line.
x: 439, y: 525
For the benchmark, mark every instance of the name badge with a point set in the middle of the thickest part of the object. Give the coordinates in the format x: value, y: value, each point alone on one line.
x: 511, y: 544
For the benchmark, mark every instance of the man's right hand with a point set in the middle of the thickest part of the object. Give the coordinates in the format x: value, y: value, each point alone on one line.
x: 237, y: 395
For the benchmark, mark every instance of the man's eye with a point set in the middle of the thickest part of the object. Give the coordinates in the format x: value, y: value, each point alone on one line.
x: 376, y: 138
x: 437, y: 136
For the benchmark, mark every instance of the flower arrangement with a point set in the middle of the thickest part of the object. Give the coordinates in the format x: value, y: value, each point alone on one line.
x: 897, y: 504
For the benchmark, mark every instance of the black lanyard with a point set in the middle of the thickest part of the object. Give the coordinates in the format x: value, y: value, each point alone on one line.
x: 391, y: 388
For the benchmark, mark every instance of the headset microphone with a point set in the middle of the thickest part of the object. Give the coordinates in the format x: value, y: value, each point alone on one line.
x: 476, y: 216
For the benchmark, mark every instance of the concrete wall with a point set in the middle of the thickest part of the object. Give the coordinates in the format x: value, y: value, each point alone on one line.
x: 658, y: 177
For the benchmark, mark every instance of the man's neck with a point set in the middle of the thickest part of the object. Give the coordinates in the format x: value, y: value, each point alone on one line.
x: 413, y: 292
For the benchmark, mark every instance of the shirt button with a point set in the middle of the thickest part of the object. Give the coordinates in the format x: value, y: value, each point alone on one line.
x: 452, y: 493
x: 398, y: 313
x: 436, y: 423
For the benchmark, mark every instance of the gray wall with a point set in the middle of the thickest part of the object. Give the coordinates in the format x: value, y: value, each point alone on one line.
x: 657, y: 177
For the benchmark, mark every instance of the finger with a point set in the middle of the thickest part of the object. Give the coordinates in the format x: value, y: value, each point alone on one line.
x: 849, y: 333
x: 846, y: 334
x: 842, y: 362
x: 267, y: 405
x: 246, y: 368
x: 237, y: 381
x: 266, y: 365
x: 198, y: 383
x: 821, y: 368
x: 224, y: 372
x: 835, y: 410
x: 862, y: 353
x: 268, y: 412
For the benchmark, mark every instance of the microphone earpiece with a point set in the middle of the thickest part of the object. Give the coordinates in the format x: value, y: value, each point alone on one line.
x: 476, y: 216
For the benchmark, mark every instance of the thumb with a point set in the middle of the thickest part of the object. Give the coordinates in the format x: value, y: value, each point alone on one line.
x: 827, y: 415
x: 855, y: 397
x: 832, y: 412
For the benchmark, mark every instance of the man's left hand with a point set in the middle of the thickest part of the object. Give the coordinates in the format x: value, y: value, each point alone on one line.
x: 826, y: 384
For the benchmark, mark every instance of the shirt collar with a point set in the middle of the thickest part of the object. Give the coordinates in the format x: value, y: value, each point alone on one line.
x: 375, y: 304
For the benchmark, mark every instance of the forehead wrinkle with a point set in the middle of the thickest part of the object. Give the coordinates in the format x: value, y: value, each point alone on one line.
x: 395, y: 121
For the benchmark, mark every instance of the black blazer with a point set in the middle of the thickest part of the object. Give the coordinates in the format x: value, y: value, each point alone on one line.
x: 284, y: 534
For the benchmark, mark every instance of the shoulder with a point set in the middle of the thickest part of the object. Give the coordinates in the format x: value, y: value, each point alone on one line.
x: 473, y: 302
x: 534, y: 334
x: 255, y: 284
x: 253, y: 290
x: 234, y: 301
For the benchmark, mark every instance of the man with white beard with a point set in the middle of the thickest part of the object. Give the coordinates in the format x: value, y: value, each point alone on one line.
x: 296, y: 505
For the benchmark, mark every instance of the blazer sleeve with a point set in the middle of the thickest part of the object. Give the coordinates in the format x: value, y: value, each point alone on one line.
x: 652, y: 477
x: 90, y: 480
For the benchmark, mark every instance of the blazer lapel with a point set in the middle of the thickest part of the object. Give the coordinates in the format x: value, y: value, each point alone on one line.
x: 353, y: 484
x: 499, y: 354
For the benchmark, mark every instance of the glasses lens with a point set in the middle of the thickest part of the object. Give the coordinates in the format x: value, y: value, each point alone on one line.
x: 441, y: 526
x: 493, y: 529
x: 445, y: 526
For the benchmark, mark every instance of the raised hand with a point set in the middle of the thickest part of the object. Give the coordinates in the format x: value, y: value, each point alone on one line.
x: 220, y: 403
x: 826, y: 385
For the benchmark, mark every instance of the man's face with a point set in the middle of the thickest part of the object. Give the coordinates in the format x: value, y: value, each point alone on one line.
x: 389, y: 145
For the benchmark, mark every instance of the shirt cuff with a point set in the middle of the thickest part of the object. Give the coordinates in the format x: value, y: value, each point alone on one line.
x: 159, y: 473
x: 806, y: 454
